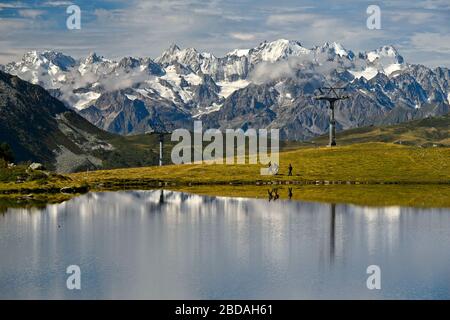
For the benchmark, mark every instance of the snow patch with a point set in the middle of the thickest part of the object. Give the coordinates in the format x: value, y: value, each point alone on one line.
x: 85, y: 99
x: 227, y: 88
x: 371, y: 71
x: 372, y: 56
x: 363, y: 91
x: 340, y: 50
x: 172, y: 75
x: 392, y: 68
x: 157, y: 87
x: 273, y: 51
x: 131, y: 97
x: 367, y: 73
x: 214, y: 107
x: 239, y: 52
x: 193, y: 79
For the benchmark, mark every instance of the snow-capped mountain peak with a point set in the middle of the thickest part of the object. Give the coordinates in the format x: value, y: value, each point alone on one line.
x: 91, y: 58
x: 339, y: 49
x: 46, y: 58
x: 173, y: 48
x: 46, y: 68
x: 336, y: 49
x: 384, y: 60
x: 385, y: 52
x: 175, y: 54
x: 239, y: 52
x: 268, y: 85
x: 277, y: 50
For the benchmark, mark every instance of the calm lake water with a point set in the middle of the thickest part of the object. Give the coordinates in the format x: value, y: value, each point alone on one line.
x: 171, y: 245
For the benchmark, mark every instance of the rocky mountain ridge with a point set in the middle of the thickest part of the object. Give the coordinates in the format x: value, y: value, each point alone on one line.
x: 271, y: 86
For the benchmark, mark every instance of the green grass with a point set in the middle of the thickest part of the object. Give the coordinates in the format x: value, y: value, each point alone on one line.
x: 20, y: 172
x: 131, y: 151
x: 18, y: 181
x: 9, y: 175
x: 143, y: 150
x: 363, y: 163
x: 411, y: 176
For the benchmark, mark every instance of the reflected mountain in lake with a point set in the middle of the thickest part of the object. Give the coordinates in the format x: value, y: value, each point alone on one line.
x: 172, y: 245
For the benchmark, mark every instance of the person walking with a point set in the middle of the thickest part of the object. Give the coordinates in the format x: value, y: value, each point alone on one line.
x: 290, y: 170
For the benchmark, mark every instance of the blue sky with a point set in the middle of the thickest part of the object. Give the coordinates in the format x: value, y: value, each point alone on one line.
x: 420, y: 30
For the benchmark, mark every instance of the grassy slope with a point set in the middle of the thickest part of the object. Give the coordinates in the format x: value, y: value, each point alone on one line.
x: 143, y: 150
x: 129, y: 151
x: 425, y: 132
x: 426, y: 170
x: 134, y: 151
x: 370, y: 162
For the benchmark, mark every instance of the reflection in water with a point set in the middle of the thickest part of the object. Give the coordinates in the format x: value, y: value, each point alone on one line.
x: 273, y: 194
x: 161, y: 197
x: 332, y: 230
x: 164, y: 244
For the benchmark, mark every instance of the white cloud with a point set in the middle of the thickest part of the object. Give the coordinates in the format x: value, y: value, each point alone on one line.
x: 11, y: 24
x: 431, y: 42
x: 58, y: 3
x: 417, y: 18
x: 147, y: 27
x: 434, y: 4
x: 30, y: 13
x: 266, y: 71
x: 11, y: 5
x: 289, y: 19
x: 243, y: 36
x: 315, y: 29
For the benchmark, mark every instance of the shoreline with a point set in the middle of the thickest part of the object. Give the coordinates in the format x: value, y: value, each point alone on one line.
x: 376, y: 166
x: 372, y: 195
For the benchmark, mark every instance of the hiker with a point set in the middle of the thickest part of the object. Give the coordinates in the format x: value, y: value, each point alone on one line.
x: 290, y: 170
